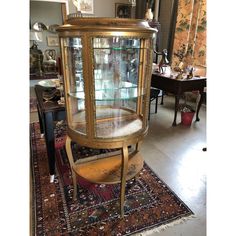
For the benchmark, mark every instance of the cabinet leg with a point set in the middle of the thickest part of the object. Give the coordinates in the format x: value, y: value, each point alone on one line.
x: 123, y: 179
x: 71, y: 161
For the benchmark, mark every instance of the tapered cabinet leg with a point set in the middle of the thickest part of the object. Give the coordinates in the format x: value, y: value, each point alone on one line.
x: 71, y: 161
x: 123, y: 178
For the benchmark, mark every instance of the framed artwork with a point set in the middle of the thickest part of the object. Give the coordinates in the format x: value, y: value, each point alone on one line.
x: 53, y: 41
x: 85, y: 6
x: 123, y: 10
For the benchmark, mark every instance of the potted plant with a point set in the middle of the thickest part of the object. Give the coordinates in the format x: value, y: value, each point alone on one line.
x: 187, y: 114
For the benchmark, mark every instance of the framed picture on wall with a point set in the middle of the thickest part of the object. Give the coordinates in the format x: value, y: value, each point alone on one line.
x: 85, y: 6
x: 123, y: 10
x: 53, y: 41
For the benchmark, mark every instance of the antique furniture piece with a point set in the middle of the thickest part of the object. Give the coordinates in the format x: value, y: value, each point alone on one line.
x: 178, y: 87
x: 48, y: 113
x: 107, y: 65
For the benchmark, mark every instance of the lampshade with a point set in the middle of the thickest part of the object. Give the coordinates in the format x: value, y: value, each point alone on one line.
x: 36, y: 36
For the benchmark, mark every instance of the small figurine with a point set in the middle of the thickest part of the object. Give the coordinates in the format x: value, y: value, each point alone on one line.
x: 50, y: 63
x: 164, y: 61
x: 50, y: 55
x: 180, y: 76
x: 190, y: 75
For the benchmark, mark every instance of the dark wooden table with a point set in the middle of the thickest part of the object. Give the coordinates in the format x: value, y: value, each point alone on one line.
x: 178, y: 87
x: 48, y: 113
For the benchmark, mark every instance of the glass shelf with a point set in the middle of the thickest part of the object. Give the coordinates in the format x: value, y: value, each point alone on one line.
x: 106, y: 91
x: 109, y: 94
x: 119, y: 122
x: 117, y: 48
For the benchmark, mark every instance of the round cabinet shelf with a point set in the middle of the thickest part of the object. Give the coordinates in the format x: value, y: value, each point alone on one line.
x: 111, y: 122
x: 108, y: 170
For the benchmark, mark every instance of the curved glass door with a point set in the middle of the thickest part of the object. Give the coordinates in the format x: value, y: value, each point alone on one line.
x: 76, y: 98
x: 116, y: 82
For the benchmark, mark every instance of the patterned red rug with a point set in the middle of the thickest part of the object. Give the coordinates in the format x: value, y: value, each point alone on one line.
x: 150, y: 204
x: 33, y: 104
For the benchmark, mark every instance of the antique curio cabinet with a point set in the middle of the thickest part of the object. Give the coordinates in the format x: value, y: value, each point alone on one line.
x: 107, y: 64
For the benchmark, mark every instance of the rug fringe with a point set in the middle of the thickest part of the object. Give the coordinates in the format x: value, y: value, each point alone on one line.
x: 165, y: 226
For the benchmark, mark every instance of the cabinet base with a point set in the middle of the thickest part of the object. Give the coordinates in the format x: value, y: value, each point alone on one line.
x: 108, y: 170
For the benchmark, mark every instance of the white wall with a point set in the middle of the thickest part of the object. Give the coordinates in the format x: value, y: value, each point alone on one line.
x: 48, y: 13
x: 106, y: 8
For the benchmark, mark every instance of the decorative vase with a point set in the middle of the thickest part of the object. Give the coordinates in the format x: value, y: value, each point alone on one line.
x: 149, y: 14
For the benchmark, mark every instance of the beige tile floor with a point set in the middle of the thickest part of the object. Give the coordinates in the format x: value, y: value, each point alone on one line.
x: 175, y: 155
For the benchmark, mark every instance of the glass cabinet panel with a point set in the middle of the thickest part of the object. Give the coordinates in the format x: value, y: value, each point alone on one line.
x: 116, y: 83
x: 116, y: 78
x: 76, y: 98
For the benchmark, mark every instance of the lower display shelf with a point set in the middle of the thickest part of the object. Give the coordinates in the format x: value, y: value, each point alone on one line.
x: 110, y: 122
x: 108, y: 170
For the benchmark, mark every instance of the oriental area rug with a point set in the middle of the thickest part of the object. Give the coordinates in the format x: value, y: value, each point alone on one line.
x: 150, y: 205
x: 33, y: 104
